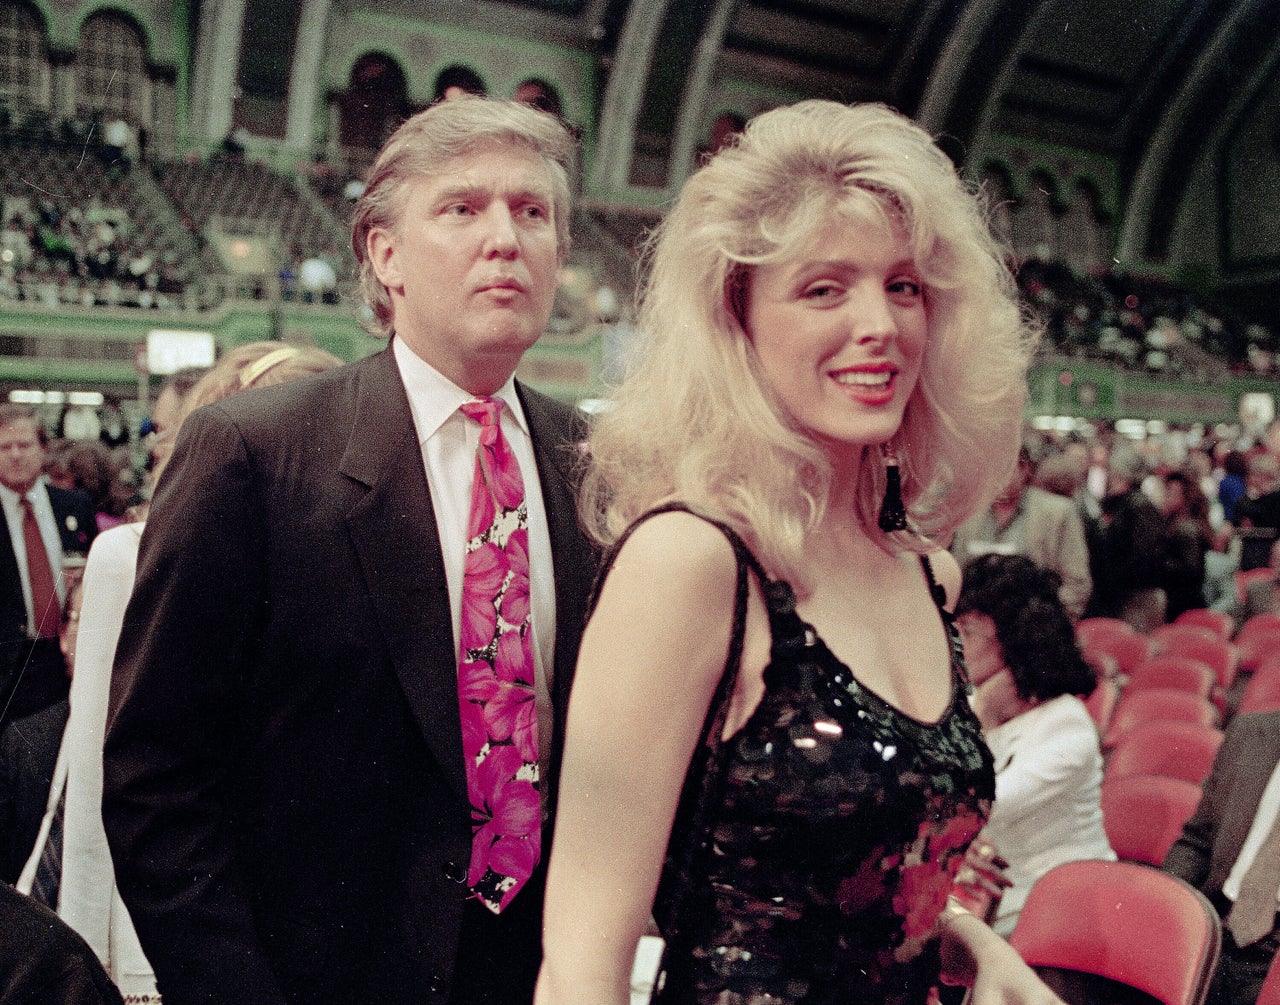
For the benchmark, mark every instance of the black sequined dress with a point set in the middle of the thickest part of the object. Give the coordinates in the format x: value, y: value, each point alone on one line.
x: 837, y: 826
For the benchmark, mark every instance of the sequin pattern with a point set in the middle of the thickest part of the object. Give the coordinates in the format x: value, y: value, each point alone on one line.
x: 841, y: 826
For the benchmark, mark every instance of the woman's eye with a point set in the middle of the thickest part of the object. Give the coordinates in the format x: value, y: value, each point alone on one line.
x: 820, y: 290
x: 907, y: 287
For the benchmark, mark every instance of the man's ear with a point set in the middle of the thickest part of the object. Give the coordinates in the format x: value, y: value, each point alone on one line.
x: 380, y: 246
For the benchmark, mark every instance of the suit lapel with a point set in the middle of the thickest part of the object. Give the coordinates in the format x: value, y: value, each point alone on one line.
x: 393, y: 531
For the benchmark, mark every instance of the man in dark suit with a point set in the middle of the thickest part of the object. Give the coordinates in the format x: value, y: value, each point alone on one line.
x: 33, y: 673
x: 285, y: 790
x: 28, y: 756
x: 1236, y: 811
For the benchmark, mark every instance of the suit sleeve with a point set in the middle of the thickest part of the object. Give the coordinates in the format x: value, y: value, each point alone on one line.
x: 1073, y: 556
x: 176, y: 705
x: 1191, y: 856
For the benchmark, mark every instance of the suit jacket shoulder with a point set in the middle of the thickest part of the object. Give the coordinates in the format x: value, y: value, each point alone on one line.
x: 77, y: 521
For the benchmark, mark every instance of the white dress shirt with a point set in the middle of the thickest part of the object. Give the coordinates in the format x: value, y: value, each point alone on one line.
x: 1268, y: 808
x: 48, y: 524
x: 449, y: 441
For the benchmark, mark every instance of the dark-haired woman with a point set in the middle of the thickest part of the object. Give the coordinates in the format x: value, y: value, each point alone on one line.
x: 1027, y: 674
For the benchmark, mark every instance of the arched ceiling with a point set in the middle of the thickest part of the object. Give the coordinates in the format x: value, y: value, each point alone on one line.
x: 1141, y: 82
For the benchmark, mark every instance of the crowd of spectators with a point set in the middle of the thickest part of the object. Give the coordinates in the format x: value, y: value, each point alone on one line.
x: 1157, y: 526
x: 1143, y: 323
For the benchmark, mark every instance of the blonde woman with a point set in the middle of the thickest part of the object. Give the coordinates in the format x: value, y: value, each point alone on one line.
x: 769, y: 726
x: 88, y: 901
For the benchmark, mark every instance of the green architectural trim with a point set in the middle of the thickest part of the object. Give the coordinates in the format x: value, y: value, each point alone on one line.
x: 566, y: 366
x: 1063, y: 386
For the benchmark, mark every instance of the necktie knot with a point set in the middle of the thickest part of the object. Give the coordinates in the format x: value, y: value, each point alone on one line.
x: 485, y: 411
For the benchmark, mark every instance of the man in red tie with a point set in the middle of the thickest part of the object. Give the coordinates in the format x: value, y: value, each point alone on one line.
x: 339, y: 694
x: 45, y: 525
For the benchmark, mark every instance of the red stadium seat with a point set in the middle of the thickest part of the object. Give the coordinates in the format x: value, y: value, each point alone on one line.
x: 1182, y: 673
x: 1219, y: 622
x: 1165, y: 635
x: 1144, y: 814
x: 1158, y: 704
x: 1128, y: 650
x: 1243, y: 579
x: 1183, y: 750
x: 1270, y: 994
x: 1221, y: 655
x: 1265, y: 621
x: 1102, y: 703
x: 1256, y: 646
x: 1262, y: 693
x: 1103, y: 918
x: 1088, y: 629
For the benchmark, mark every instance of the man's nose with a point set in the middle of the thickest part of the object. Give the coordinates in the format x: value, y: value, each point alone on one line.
x: 501, y: 239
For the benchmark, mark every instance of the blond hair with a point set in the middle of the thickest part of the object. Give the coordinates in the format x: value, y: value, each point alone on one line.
x: 423, y: 145
x: 257, y: 364
x: 693, y: 419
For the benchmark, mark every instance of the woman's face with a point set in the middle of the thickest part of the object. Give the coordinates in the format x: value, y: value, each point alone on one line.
x: 983, y: 658
x: 840, y: 331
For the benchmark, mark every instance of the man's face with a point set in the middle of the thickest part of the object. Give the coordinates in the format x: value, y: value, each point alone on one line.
x: 471, y: 264
x: 21, y: 455
x: 165, y: 419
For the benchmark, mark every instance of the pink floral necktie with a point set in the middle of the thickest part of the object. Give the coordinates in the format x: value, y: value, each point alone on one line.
x: 495, y: 672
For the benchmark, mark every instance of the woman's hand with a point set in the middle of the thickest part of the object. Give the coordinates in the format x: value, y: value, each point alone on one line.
x: 972, y: 954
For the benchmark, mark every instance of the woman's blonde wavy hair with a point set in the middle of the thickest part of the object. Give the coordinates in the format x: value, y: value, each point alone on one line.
x: 694, y: 421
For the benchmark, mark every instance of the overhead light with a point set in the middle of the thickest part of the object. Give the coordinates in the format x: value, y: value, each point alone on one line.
x: 32, y: 397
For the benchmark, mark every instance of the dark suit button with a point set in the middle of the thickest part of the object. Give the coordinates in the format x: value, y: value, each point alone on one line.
x: 455, y: 872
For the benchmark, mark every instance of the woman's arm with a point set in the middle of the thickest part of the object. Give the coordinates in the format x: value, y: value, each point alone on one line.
x: 974, y: 956
x: 650, y: 660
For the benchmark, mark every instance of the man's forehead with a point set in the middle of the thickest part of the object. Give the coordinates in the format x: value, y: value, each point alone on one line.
x: 23, y: 428
x: 489, y: 166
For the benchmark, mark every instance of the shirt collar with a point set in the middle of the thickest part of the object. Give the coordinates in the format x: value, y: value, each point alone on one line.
x: 434, y: 398
x: 14, y: 499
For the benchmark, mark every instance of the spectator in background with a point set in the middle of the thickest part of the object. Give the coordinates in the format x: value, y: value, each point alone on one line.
x: 316, y: 279
x: 1222, y: 840
x: 162, y: 427
x: 1188, y: 538
x: 45, y: 526
x: 1026, y: 520
x: 1028, y: 677
x: 1258, y: 513
x: 1231, y: 489
x: 88, y: 466
x: 1126, y: 554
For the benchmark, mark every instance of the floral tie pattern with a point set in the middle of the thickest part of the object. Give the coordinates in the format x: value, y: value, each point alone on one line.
x: 495, y: 672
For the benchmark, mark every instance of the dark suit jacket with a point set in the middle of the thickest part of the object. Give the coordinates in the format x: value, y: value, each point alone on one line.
x: 45, y: 681
x: 285, y: 796
x: 28, y: 755
x: 76, y: 527
x: 1212, y: 838
x: 43, y: 960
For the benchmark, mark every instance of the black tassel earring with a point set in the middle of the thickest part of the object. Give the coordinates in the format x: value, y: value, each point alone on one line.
x: 893, y: 515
